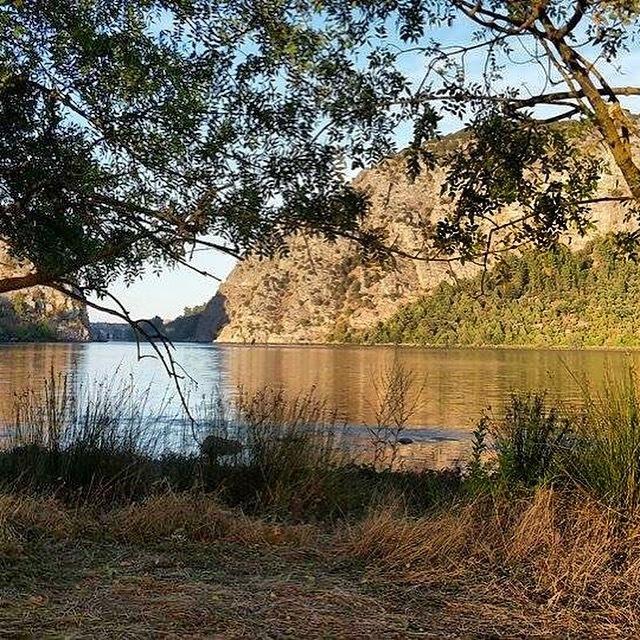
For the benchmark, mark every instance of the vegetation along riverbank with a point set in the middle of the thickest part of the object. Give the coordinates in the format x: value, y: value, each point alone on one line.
x: 558, y: 298
x: 111, y: 529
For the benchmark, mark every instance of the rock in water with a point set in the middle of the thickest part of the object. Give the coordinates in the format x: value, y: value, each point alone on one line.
x: 215, y: 447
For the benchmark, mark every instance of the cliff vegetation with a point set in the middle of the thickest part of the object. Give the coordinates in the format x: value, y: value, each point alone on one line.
x: 39, y: 314
x: 590, y: 298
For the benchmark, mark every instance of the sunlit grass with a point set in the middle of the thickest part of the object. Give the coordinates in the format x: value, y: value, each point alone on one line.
x: 546, y: 506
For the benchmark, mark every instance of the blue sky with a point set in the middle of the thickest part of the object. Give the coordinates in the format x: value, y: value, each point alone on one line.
x: 167, y: 294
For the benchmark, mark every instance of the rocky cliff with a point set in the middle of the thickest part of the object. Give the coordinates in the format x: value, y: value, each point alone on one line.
x: 323, y: 291
x: 39, y: 313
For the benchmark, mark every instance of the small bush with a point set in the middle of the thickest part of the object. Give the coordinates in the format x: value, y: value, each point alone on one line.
x: 529, y: 440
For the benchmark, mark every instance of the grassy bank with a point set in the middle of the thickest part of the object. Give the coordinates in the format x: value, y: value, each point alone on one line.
x: 587, y: 298
x: 105, y: 532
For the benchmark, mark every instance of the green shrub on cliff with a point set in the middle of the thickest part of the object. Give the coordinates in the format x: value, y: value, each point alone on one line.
x: 555, y: 298
x: 15, y: 328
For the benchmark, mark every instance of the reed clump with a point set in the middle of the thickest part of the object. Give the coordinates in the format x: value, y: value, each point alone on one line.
x: 287, y: 458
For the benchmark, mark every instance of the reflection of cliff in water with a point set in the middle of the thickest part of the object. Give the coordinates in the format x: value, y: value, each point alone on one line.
x: 28, y: 366
x: 454, y: 386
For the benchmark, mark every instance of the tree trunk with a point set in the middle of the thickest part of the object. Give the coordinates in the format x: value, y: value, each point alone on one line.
x: 608, y: 126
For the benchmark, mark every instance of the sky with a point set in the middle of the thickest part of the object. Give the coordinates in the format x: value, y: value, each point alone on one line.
x: 166, y: 295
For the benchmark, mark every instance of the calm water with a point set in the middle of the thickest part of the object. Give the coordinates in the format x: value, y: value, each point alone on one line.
x: 454, y: 385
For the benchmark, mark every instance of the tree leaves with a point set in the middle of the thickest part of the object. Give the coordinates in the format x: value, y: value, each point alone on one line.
x: 133, y: 129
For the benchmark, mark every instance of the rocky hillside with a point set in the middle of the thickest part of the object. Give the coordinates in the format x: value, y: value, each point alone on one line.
x: 321, y: 291
x: 556, y: 298
x: 39, y: 314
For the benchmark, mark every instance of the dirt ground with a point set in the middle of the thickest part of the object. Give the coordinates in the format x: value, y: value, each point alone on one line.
x: 88, y: 589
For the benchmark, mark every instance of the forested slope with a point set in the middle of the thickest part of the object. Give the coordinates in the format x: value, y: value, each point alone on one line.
x: 557, y: 298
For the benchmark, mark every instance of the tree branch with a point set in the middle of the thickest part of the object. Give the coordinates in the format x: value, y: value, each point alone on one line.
x: 15, y: 283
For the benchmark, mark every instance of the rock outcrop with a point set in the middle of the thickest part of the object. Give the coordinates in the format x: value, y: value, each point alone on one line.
x: 212, y: 319
x: 321, y: 291
x: 39, y: 313
x: 196, y: 326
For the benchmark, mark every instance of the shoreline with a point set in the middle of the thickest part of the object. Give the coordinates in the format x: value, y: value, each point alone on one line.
x: 433, y: 347
x: 348, y: 345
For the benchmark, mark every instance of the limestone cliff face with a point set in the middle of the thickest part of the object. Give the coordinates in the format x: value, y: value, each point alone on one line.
x: 321, y: 290
x: 39, y: 313
x: 212, y: 319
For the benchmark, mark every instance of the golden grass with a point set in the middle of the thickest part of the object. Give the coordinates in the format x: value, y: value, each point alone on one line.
x: 177, y: 517
x: 198, y: 518
x: 22, y: 517
x: 563, y: 551
x: 542, y: 564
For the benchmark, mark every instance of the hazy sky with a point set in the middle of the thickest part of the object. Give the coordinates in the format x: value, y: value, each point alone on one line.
x: 167, y: 295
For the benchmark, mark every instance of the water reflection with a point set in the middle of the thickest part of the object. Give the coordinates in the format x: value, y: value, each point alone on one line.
x: 28, y: 366
x: 455, y: 385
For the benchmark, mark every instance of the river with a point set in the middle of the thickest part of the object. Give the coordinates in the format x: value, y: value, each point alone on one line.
x: 453, y: 387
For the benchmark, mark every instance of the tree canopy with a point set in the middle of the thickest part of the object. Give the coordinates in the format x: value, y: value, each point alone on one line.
x: 134, y: 131
x: 137, y: 131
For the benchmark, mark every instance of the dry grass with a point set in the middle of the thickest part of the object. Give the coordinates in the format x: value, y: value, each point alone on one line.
x: 180, y: 518
x: 91, y: 590
x: 534, y: 552
x: 23, y: 517
x: 566, y: 552
x: 198, y: 518
x: 181, y: 564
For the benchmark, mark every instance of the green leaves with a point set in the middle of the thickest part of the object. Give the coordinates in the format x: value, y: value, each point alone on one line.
x: 511, y: 161
x: 131, y: 130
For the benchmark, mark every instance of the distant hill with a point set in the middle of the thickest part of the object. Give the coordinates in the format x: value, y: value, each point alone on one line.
x: 199, y: 324
x: 322, y: 292
x: 39, y: 313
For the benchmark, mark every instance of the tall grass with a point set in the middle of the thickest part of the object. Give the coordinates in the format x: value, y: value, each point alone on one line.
x: 605, y: 456
x: 87, y: 441
x: 292, y: 454
x: 529, y: 439
x: 288, y: 457
x: 298, y: 462
x: 562, y: 549
x: 596, y: 450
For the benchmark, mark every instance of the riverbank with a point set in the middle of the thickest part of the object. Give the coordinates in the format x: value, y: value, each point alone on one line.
x: 180, y: 566
x: 274, y: 528
x: 428, y: 347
